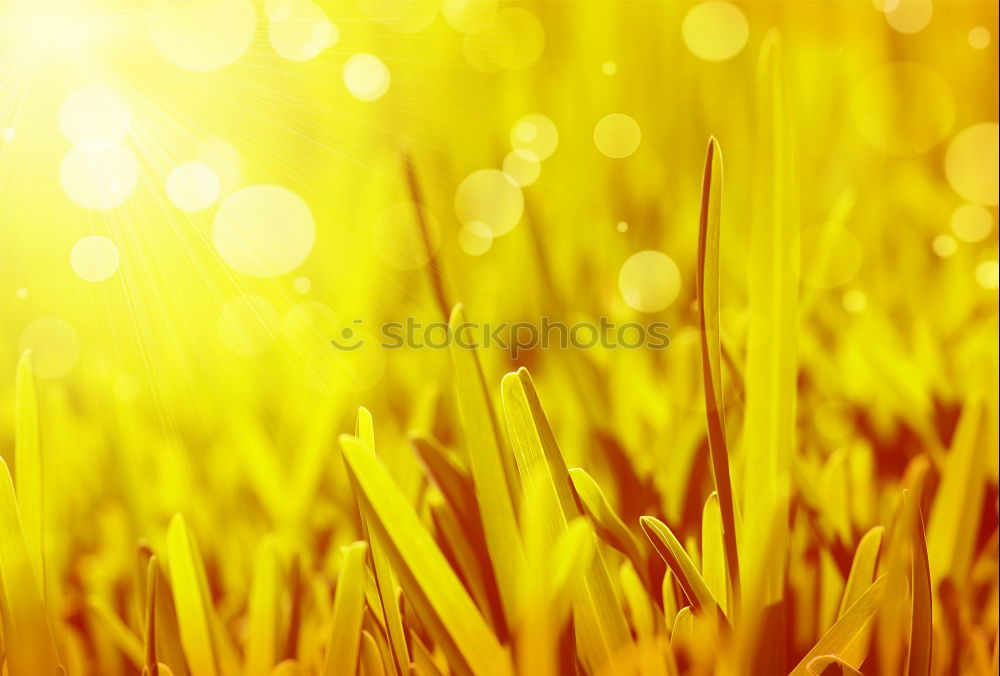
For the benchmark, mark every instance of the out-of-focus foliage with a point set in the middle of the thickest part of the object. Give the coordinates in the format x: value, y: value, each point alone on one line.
x: 197, y: 197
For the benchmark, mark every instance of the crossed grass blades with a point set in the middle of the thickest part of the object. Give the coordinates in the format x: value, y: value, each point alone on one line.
x: 514, y: 563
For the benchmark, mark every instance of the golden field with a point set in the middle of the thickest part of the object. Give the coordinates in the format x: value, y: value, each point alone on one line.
x: 211, y: 210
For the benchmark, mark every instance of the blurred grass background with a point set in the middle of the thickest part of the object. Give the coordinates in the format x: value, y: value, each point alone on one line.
x: 162, y: 389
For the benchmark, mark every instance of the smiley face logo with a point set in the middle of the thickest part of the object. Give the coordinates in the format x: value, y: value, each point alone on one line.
x: 349, y: 340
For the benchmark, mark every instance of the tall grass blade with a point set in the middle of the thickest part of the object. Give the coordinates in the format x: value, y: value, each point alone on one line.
x: 462, y: 550
x: 433, y: 266
x: 27, y: 637
x: 28, y: 478
x: 921, y: 624
x: 149, y: 652
x: 955, y: 513
x: 896, y: 613
x: 547, y: 588
x: 769, y: 428
x: 191, y: 600
x: 348, y: 610
x: 493, y: 474
x: 167, y: 633
x: 385, y: 579
x: 713, y: 554
x: 708, y: 306
x: 423, y: 572
x: 264, y: 612
x: 601, y: 628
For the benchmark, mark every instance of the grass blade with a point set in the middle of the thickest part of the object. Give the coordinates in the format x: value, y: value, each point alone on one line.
x: 769, y: 433
x: 713, y: 555
x: 385, y: 579
x: 121, y: 634
x: 374, y: 625
x: 492, y: 469
x: 424, y: 663
x: 27, y: 637
x: 668, y: 598
x: 190, y: 600
x: 364, y: 427
x: 167, y: 635
x: 831, y: 665
x: 430, y: 584
x: 607, y: 522
x: 671, y: 551
x: 463, y: 553
x: 955, y: 514
x: 641, y: 610
x: 683, y: 629
x: 547, y: 587
x: 450, y: 477
x: 348, y: 610
x: 263, y: 612
x: 895, y: 564
x: 711, y: 354
x: 921, y: 627
x: 371, y: 658
x: 151, y: 663
x: 601, y: 628
x: 863, y: 568
x: 28, y: 478
x: 848, y: 637
x: 433, y: 266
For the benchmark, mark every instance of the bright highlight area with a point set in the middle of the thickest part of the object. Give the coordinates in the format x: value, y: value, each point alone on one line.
x: 299, y: 30
x: 535, y: 133
x: 366, y: 77
x: 649, y: 281
x: 617, y: 135
x: 202, y: 35
x: 264, y: 231
x: 95, y: 117
x: 193, y: 186
x: 715, y: 30
x: 94, y: 258
x: 99, y: 179
x: 54, y: 345
x: 488, y: 197
x: 972, y: 162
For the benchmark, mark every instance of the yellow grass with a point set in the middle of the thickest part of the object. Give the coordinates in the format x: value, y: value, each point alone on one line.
x: 198, y: 478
